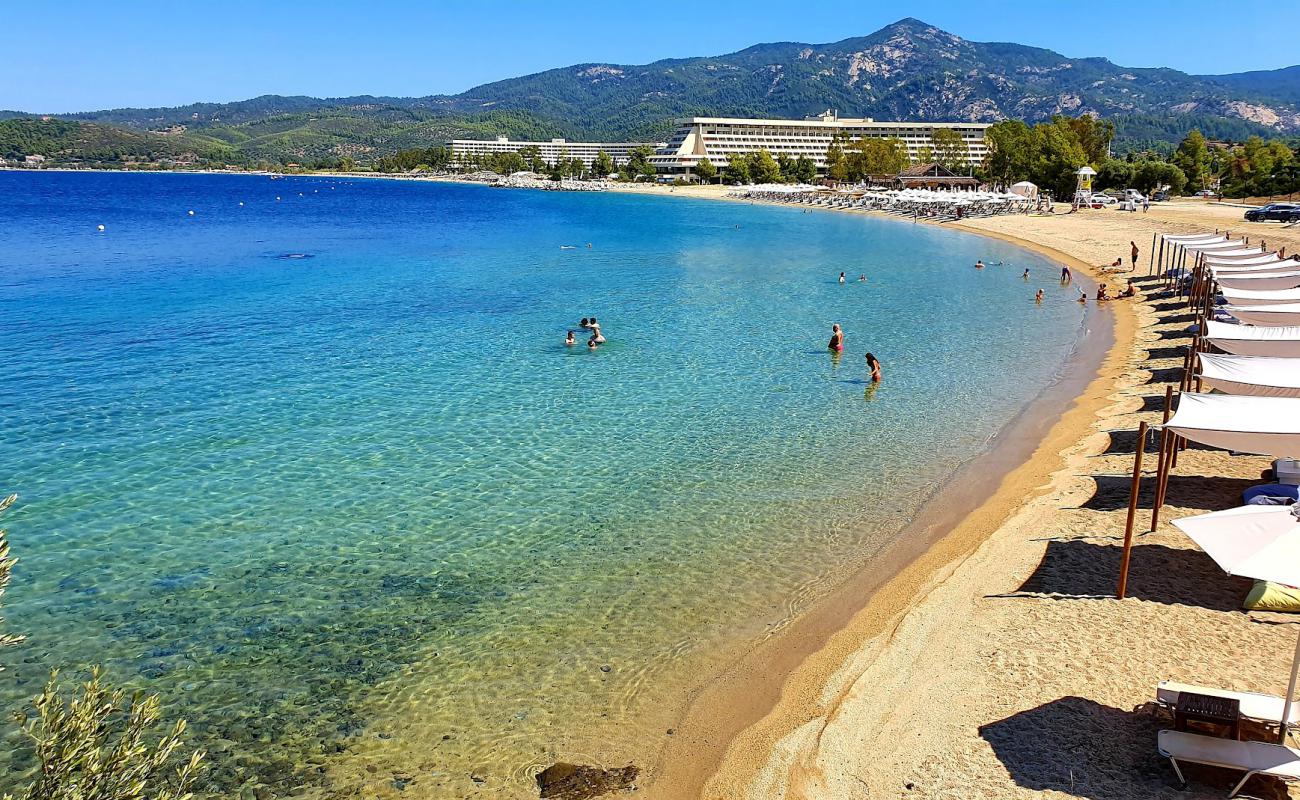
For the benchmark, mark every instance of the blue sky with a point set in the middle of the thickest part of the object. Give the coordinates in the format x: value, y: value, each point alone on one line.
x: 72, y: 55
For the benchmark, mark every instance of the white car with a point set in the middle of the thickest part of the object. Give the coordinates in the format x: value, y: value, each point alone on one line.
x: 1102, y: 201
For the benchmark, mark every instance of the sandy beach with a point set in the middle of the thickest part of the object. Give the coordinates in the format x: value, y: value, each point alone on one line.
x: 998, y: 663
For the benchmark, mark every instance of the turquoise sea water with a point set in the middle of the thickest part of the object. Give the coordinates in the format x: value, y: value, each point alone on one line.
x: 319, y: 470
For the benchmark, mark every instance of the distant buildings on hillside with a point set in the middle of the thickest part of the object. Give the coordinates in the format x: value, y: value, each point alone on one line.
x: 715, y: 138
x: 551, y: 151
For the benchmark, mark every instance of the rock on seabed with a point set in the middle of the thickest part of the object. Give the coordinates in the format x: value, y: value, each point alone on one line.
x: 562, y: 781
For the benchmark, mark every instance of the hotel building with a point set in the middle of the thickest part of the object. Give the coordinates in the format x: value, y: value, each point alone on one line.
x: 551, y: 151
x: 718, y: 137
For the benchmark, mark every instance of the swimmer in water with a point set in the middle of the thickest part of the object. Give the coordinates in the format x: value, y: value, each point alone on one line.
x: 588, y: 245
x: 1083, y: 296
x: 841, y: 277
x: 862, y: 279
x: 569, y: 340
x: 979, y: 265
x: 1038, y: 298
x: 584, y: 323
x: 1026, y: 275
x: 596, y: 335
x: 836, y: 344
x: 591, y: 343
x: 873, y: 364
x: 1066, y: 277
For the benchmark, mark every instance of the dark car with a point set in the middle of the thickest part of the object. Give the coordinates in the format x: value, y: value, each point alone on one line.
x: 1282, y: 212
x: 1159, y: 197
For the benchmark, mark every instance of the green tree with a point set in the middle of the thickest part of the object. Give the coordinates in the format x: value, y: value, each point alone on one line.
x: 737, y: 169
x: 1114, y: 174
x: 98, y: 745
x: 638, y: 162
x: 786, y: 166
x: 532, y: 156
x: 1010, y: 156
x: 1193, y: 158
x: 837, y: 166
x: 706, y: 171
x: 950, y: 150
x: 763, y: 168
x: 869, y: 157
x: 602, y: 165
x: 805, y: 169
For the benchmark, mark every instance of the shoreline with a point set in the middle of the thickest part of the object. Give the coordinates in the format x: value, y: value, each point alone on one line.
x: 786, y: 674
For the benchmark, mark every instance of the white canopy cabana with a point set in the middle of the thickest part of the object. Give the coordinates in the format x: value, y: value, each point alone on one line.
x: 1265, y: 425
x: 1237, y: 255
x: 1267, y: 315
x: 1225, y: 245
x: 1024, y: 189
x: 1264, y: 258
x: 1266, y: 281
x: 1192, y: 237
x: 1262, y: 376
x: 1253, y: 340
x: 1265, y: 297
x: 1279, y: 265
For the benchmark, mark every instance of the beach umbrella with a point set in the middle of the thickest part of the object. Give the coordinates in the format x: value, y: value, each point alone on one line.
x: 1256, y: 375
x: 1269, y: 315
x: 1254, y: 340
x: 1244, y: 423
x: 1246, y: 297
x: 1260, y: 542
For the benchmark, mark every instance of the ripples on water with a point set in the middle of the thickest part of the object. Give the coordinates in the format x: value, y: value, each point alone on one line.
x: 356, y: 512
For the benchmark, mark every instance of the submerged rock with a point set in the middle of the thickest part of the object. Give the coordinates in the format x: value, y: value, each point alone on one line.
x: 579, y: 782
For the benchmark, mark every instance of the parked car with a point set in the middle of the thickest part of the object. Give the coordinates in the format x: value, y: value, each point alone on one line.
x: 1102, y: 201
x: 1134, y: 195
x: 1205, y: 193
x: 1159, y: 197
x: 1282, y: 212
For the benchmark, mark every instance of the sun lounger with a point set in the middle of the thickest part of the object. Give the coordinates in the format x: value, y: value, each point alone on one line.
x: 1264, y: 708
x: 1254, y: 758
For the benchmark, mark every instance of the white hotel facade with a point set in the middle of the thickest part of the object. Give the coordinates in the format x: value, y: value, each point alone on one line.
x: 551, y: 151
x: 717, y: 137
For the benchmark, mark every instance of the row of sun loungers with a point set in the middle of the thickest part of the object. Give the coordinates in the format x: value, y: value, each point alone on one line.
x: 919, y: 203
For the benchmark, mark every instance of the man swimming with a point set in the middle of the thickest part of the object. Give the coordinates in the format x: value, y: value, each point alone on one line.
x: 841, y: 277
x: 979, y: 264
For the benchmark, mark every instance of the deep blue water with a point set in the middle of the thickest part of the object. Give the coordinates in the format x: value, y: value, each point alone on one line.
x: 319, y: 470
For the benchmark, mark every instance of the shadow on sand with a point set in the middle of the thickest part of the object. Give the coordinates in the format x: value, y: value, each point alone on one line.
x: 1081, y: 748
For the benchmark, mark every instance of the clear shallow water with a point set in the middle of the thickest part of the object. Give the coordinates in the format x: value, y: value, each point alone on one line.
x: 366, y: 522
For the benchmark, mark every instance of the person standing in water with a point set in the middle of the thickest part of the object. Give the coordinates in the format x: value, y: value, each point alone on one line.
x: 836, y: 344
x: 873, y: 364
x: 569, y: 340
x: 1038, y: 298
x: 1026, y: 275
x: 979, y: 264
x: 841, y: 277
x: 1066, y: 277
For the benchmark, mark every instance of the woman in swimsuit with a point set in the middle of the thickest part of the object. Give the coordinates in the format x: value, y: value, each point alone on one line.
x: 873, y: 364
x: 569, y: 340
x: 837, y: 339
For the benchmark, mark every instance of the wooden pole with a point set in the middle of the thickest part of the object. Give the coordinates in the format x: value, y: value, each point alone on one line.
x: 1134, y: 489
x: 1163, y: 462
x: 1161, y: 471
x: 1152, y: 261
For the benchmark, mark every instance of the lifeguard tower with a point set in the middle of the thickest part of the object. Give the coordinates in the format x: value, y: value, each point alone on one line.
x: 1083, y: 189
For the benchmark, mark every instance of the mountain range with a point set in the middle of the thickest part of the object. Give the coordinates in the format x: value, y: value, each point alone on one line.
x: 907, y: 70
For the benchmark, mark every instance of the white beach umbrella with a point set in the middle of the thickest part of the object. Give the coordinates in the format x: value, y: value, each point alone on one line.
x: 1271, y: 316
x: 1246, y: 424
x: 1248, y: 297
x: 1259, y: 282
x: 1254, y: 340
x: 1260, y: 542
x: 1264, y: 376
x: 1265, y: 258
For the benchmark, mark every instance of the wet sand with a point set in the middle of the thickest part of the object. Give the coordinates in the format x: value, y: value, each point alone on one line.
x: 997, y: 663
